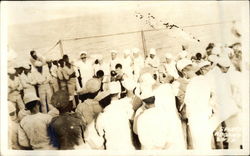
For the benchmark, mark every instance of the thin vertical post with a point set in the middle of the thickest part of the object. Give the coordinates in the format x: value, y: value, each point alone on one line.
x: 144, y: 43
x: 61, y: 47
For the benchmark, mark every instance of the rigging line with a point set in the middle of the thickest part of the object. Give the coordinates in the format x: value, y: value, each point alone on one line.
x: 148, y: 30
x: 52, y: 47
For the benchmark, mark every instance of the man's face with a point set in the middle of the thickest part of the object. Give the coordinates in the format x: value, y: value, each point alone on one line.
x: 168, y: 60
x: 204, y: 70
x: 113, y: 55
x: 152, y: 56
x: 223, y: 69
x: 118, y: 71
x: 34, y: 55
x: 19, y: 71
x: 26, y: 71
x: 135, y: 55
x: 188, y: 71
x: 83, y: 57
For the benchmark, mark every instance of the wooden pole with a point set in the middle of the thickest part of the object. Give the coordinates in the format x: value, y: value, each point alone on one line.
x: 144, y: 43
x: 61, y: 47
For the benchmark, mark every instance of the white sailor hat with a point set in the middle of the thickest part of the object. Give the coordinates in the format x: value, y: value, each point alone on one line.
x: 129, y: 84
x: 113, y: 51
x: 224, y: 61
x: 126, y: 51
x: 204, y: 63
x: 168, y: 56
x: 152, y: 51
x: 28, y: 97
x: 114, y: 87
x: 135, y: 50
x: 38, y: 64
x: 181, y: 64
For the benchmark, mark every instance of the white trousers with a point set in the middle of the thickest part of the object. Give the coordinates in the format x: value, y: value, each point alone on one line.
x: 45, y: 94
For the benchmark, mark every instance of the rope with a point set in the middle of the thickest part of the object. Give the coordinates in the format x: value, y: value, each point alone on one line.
x: 148, y: 30
x: 52, y: 47
x: 133, y: 32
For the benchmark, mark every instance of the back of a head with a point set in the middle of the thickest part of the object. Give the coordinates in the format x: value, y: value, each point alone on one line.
x: 118, y: 66
x: 60, y: 100
x: 68, y: 129
x: 99, y: 73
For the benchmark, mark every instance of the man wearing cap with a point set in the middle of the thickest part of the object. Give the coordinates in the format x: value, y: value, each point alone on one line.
x: 138, y: 63
x: 114, y: 60
x: 90, y: 107
x: 85, y: 69
x: 14, y: 88
x: 186, y: 72
x: 32, y: 131
x: 164, y: 101
x: 54, y: 78
x: 152, y: 60
x: 199, y: 110
x: 170, y: 66
x: 35, y: 58
x: 66, y: 130
x: 26, y: 78
x: 115, y: 118
x: 224, y: 96
x: 70, y: 77
x: 127, y: 63
x: 13, y: 127
x: 152, y: 125
x: 42, y: 79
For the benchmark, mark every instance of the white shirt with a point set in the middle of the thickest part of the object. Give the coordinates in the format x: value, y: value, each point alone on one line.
x: 155, y: 62
x: 171, y: 69
x: 154, y: 132
x: 114, y: 62
x: 86, y: 69
x: 197, y: 98
x: 113, y: 122
x: 35, y: 128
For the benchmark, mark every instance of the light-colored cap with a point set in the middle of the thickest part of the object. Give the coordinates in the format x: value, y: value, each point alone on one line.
x: 113, y: 51
x: 93, y: 85
x: 38, y: 64
x: 11, y: 71
x: 216, y: 50
x: 11, y: 107
x: 181, y: 64
x: 135, y: 50
x: 204, y: 63
x: 48, y: 59
x: 28, y: 97
x: 152, y: 51
x: 146, y: 92
x: 183, y: 54
x: 83, y: 52
x: 26, y: 66
x: 126, y: 51
x: 168, y: 56
x: 129, y: 84
x: 224, y: 61
x: 114, y: 87
x: 213, y: 58
x: 147, y: 78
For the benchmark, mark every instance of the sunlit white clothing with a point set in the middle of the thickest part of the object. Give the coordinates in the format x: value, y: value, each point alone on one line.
x: 32, y: 131
x: 113, y: 122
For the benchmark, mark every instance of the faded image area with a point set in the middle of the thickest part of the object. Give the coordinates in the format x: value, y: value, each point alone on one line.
x: 127, y: 76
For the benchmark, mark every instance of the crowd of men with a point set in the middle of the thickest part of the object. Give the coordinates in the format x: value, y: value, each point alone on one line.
x: 128, y: 103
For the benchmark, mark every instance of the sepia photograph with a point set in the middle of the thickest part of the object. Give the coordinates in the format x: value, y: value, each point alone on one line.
x: 124, y: 78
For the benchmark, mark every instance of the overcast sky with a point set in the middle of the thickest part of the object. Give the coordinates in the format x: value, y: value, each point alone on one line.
x: 35, y: 11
